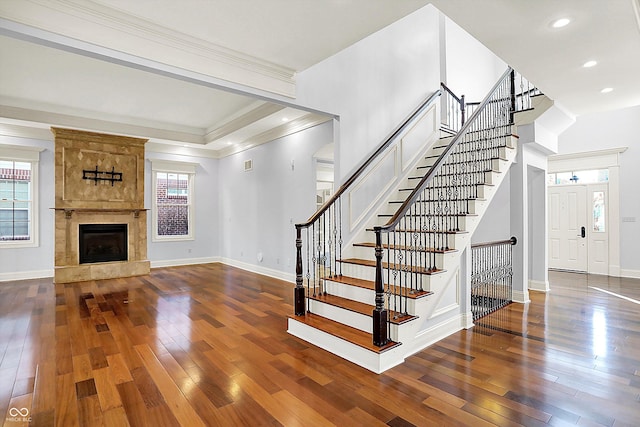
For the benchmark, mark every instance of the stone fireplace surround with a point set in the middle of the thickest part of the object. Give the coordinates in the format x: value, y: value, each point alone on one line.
x: 85, y: 201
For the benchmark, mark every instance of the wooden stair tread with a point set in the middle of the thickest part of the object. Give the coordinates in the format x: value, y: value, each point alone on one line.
x: 369, y: 284
x: 403, y: 247
x: 469, y: 199
x: 360, y: 307
x: 425, y: 214
x: 442, y: 186
x: 427, y: 231
x: 386, y: 265
x: 347, y: 333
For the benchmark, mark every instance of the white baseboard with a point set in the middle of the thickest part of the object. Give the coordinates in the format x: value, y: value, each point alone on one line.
x: 632, y: 274
x: 521, y: 296
x: 25, y: 275
x: 614, y: 270
x: 183, y: 261
x: 466, y: 320
x: 539, y: 285
x: 276, y: 274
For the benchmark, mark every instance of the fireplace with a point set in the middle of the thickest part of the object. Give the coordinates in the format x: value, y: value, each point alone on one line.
x: 102, y: 243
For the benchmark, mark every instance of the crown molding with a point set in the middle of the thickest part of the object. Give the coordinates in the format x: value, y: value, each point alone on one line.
x: 106, y: 27
x: 300, y: 124
x: 35, y: 118
x: 251, y: 116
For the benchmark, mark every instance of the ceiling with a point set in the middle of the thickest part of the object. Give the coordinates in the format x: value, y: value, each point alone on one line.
x: 245, y: 53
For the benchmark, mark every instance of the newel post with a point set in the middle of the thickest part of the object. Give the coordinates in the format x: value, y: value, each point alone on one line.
x: 512, y: 84
x: 298, y: 293
x: 379, y: 313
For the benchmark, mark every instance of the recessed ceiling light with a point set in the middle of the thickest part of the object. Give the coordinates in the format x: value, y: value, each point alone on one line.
x: 590, y: 64
x: 285, y: 119
x: 229, y: 142
x: 606, y: 90
x: 559, y: 23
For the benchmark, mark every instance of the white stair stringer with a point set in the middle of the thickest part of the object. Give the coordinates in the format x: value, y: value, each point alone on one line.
x: 375, y: 362
x: 438, y: 315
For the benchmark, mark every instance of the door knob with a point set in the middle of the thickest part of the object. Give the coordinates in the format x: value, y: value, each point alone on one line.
x: 583, y: 232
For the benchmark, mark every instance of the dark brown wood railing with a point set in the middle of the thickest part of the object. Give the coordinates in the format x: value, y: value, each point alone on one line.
x: 330, y: 214
x: 406, y: 247
x: 420, y: 228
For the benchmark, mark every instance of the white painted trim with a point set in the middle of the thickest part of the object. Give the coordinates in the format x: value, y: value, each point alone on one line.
x: 183, y: 261
x: 87, y: 26
x: 426, y: 142
x: 521, y: 297
x: 381, y: 192
x: 632, y: 274
x: 539, y: 285
x: 21, y: 152
x: 171, y: 148
x: 173, y: 166
x: 466, y: 320
x: 276, y: 274
x: 435, y: 333
x: 600, y: 159
x: 26, y: 275
x: 614, y: 271
x: 448, y: 308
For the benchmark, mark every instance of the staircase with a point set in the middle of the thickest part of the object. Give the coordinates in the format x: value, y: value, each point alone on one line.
x: 394, y: 289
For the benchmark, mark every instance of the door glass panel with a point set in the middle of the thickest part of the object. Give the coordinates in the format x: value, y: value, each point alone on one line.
x: 598, y: 212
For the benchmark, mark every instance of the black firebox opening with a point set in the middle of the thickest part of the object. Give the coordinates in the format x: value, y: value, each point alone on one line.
x: 103, y: 243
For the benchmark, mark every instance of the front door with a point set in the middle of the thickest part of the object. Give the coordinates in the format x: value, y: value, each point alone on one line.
x: 568, y: 227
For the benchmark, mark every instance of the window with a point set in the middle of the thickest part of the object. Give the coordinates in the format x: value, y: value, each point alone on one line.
x: 18, y: 195
x: 173, y: 210
x: 578, y: 177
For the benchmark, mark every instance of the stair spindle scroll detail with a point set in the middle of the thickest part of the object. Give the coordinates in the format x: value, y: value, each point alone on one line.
x: 410, y: 247
x: 439, y: 203
x: 322, y: 247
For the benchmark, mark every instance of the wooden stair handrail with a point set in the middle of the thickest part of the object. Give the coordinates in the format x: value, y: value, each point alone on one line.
x: 512, y: 241
x: 395, y: 219
x: 387, y: 142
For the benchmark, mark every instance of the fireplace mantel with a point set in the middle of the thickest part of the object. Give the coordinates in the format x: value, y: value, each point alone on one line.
x: 68, y: 212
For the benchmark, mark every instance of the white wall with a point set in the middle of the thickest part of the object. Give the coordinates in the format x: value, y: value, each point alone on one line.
x: 38, y: 261
x: 614, y: 129
x: 471, y: 68
x: 496, y: 222
x: 374, y: 84
x: 206, y: 243
x: 258, y: 209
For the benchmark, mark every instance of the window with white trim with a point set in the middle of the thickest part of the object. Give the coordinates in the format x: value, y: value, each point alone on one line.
x: 173, y: 211
x: 18, y: 196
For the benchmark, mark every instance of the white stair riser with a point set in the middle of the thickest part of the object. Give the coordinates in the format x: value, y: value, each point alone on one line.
x: 374, y: 362
x: 397, y: 332
x: 367, y: 296
x: 368, y: 273
x: 472, y: 206
x: 442, y: 261
x: 347, y: 317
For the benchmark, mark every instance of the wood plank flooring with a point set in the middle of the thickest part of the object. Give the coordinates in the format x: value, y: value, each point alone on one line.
x: 207, y: 346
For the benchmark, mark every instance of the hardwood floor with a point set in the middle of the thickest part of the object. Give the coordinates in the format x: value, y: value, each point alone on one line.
x: 207, y: 345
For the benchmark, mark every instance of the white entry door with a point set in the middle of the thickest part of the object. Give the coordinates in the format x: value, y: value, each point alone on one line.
x: 568, y: 227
